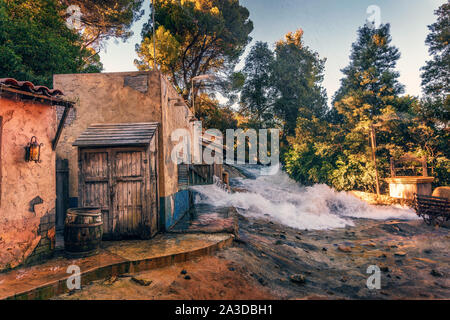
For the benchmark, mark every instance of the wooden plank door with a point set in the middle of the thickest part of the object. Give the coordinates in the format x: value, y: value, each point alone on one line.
x: 130, y: 198
x: 94, y: 183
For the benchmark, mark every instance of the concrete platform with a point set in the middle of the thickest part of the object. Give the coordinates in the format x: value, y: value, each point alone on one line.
x: 115, y: 258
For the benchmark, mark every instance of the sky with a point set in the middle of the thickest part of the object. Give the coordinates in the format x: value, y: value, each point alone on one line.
x: 330, y: 27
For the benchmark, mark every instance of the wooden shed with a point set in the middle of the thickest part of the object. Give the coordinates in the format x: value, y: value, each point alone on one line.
x: 118, y: 171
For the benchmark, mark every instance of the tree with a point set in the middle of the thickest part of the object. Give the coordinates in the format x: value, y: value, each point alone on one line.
x: 433, y: 112
x: 436, y: 75
x: 369, y: 95
x: 257, y: 93
x: 297, y: 76
x: 195, y: 37
x: 105, y: 19
x: 213, y: 115
x: 35, y: 42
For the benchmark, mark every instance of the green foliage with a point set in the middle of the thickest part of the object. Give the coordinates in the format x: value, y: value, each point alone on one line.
x: 432, y: 134
x: 436, y: 75
x: 336, y: 149
x: 213, y: 115
x: 257, y: 95
x: 336, y: 145
x: 297, y: 73
x: 195, y: 37
x: 105, y: 19
x: 35, y: 43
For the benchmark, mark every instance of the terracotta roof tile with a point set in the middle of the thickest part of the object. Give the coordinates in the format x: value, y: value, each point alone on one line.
x: 30, y: 87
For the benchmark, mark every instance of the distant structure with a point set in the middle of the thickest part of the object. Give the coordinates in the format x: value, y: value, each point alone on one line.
x: 414, y: 178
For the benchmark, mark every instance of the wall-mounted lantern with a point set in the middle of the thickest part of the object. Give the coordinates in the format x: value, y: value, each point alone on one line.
x: 33, y: 151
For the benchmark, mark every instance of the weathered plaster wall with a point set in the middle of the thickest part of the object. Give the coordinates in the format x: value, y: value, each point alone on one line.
x: 105, y: 98
x: 23, y: 227
x: 173, y: 118
x: 174, y: 203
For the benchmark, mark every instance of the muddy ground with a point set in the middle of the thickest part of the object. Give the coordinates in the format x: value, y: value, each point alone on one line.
x: 328, y: 264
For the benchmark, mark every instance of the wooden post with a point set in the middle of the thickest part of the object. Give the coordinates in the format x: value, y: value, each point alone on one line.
x: 61, y: 125
x: 392, y: 163
x: 374, y: 157
x: 424, y: 167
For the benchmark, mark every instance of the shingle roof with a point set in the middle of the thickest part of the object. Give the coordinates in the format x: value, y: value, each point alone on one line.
x: 120, y: 134
x: 30, y: 87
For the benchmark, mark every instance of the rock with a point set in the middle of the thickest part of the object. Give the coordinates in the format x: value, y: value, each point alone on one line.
x: 183, y: 272
x: 278, y: 242
x: 110, y: 280
x: 298, y: 278
x: 324, y: 249
x: 384, y: 269
x: 282, y: 236
x: 298, y: 238
x: 125, y: 275
x: 142, y: 282
x: 188, y: 277
x: 371, y: 244
x: 344, y: 249
x: 231, y: 269
x: 436, y: 273
x: 262, y: 281
x: 400, y: 254
x: 428, y: 251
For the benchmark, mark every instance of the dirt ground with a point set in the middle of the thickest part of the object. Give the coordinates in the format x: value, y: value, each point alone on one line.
x: 329, y: 264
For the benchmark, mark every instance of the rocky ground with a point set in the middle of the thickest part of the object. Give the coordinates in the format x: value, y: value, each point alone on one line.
x: 271, y: 261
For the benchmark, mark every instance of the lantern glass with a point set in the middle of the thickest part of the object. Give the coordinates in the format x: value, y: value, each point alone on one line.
x: 34, y: 150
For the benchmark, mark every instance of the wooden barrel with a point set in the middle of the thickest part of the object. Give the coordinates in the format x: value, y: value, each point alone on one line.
x: 83, y: 231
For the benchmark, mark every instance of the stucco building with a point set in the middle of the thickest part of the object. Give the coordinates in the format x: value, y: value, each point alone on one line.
x: 27, y: 178
x: 128, y: 97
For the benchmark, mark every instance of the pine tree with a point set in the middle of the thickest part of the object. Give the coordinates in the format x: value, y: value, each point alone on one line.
x: 431, y: 133
x: 257, y: 92
x: 369, y: 95
x: 436, y: 73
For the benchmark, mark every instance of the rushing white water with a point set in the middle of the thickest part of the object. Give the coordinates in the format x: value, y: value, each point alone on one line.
x: 279, y: 198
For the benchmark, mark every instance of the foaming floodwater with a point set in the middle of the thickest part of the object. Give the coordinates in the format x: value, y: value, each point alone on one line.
x: 279, y: 198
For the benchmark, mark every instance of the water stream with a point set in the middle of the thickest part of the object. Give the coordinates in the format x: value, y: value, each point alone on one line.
x: 278, y: 198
